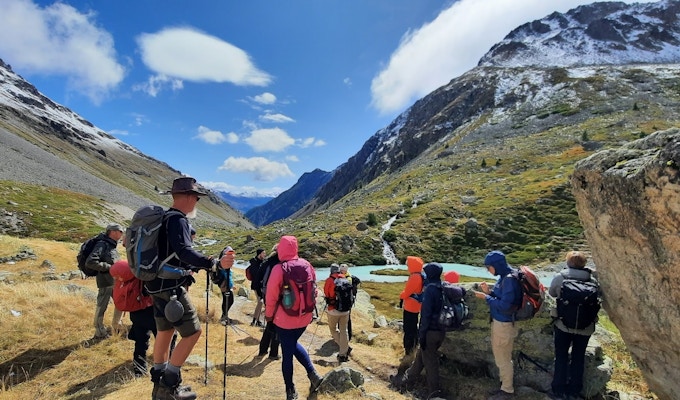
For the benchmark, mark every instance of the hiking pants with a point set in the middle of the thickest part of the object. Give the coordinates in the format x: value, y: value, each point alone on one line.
x: 568, y: 375
x: 143, y: 325
x: 503, y: 336
x: 258, y: 308
x: 337, y: 324
x: 103, y: 297
x: 428, y: 359
x: 410, y: 331
x: 290, y: 347
x: 269, y: 340
x: 227, y: 301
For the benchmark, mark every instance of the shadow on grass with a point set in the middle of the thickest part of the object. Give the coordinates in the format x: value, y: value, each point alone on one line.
x: 27, y: 365
x: 255, y: 367
x: 102, y: 384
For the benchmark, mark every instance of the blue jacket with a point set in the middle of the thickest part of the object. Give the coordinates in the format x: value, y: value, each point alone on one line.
x: 506, y: 294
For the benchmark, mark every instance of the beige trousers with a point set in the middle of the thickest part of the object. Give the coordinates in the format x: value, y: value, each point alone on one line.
x: 337, y: 324
x: 503, y: 336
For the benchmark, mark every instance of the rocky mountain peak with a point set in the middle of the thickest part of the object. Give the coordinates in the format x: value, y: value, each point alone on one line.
x: 595, y: 34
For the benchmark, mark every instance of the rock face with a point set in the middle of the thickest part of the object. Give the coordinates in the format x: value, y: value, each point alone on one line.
x: 470, y: 350
x: 628, y: 201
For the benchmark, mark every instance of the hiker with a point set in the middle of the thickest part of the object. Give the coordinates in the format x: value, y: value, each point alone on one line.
x: 291, y: 327
x: 254, y: 268
x: 224, y: 280
x: 344, y: 269
x: 568, y: 374
x: 141, y: 315
x: 452, y: 277
x: 189, y: 282
x: 174, y: 237
x: 430, y: 334
x: 414, y: 286
x: 503, y: 301
x: 102, y: 257
x: 337, y: 316
x: 269, y: 339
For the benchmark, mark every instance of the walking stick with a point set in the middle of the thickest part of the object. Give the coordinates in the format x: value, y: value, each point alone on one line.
x: 207, y: 318
x: 318, y: 322
x: 224, y: 377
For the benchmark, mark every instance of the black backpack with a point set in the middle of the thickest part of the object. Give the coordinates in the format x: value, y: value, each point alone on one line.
x: 344, y: 294
x: 578, y: 303
x: 85, y: 250
x: 454, y: 311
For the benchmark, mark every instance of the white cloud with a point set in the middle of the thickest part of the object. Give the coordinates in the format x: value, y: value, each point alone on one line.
x: 276, y: 118
x: 215, y: 137
x: 60, y: 40
x: 259, y: 168
x: 292, y: 158
x: 188, y: 54
x: 118, y: 132
x: 310, y: 141
x: 265, y: 98
x: 347, y: 81
x: 452, y: 44
x: 156, y: 83
x: 274, y: 139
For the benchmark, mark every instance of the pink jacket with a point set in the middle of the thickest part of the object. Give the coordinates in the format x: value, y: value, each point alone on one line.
x: 287, y: 250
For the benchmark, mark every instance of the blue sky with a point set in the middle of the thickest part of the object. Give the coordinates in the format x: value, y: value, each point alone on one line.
x: 246, y: 96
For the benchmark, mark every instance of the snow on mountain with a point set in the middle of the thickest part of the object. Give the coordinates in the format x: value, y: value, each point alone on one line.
x: 595, y: 34
x: 18, y: 94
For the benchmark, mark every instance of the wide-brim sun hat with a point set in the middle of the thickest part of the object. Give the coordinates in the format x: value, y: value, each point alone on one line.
x: 186, y: 184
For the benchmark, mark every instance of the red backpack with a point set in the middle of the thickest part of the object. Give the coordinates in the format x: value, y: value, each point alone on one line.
x: 128, y: 291
x: 533, y: 293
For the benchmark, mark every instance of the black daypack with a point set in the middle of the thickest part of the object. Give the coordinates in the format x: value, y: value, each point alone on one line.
x: 578, y: 303
x: 85, y: 250
x: 344, y: 294
x: 454, y: 311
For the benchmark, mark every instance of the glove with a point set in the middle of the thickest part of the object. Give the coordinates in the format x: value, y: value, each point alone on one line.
x: 422, y: 343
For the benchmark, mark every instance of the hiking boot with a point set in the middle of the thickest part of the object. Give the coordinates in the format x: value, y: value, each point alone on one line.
x: 165, y: 392
x: 314, y: 381
x: 275, y: 358
x: 342, y: 358
x: 291, y: 394
x: 349, y: 350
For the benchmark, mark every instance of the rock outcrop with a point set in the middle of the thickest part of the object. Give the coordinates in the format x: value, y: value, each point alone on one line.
x: 628, y: 201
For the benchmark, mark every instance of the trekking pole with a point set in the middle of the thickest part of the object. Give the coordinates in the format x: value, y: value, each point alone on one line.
x: 317, y: 327
x: 207, y: 318
x: 224, y: 377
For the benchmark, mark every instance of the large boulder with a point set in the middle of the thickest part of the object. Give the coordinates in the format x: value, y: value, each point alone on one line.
x: 628, y: 201
x: 470, y: 350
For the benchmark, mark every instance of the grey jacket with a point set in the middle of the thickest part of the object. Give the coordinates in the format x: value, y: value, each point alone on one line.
x: 554, y: 291
x: 102, y: 257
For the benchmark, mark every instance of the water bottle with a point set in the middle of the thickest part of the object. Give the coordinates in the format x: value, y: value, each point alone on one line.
x: 287, y: 297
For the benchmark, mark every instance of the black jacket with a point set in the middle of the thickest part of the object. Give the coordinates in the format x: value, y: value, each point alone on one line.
x: 103, y: 255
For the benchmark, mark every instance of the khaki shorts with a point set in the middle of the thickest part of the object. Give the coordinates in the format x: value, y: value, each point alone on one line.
x: 187, y: 325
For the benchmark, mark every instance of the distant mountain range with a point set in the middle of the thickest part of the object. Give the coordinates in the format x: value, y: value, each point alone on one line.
x: 481, y: 162
x: 241, y: 202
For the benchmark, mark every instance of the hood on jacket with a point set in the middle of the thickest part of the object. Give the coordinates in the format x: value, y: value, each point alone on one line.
x: 414, y: 264
x: 287, y: 248
x: 433, y: 271
x: 496, y: 259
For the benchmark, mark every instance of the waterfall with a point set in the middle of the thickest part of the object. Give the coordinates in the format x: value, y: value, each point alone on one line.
x: 388, y: 253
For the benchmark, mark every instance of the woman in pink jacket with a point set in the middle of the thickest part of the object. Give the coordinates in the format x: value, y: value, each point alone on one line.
x: 290, y: 327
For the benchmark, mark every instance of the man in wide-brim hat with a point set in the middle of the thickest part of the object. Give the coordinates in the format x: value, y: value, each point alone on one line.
x: 174, y: 239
